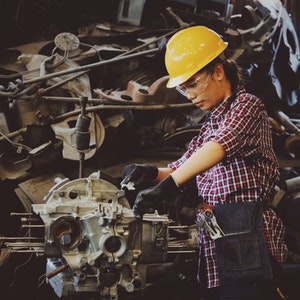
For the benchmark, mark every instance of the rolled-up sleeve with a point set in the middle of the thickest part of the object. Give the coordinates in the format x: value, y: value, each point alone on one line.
x: 239, y: 133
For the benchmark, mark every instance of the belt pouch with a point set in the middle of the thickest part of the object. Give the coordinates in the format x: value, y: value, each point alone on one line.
x: 242, y: 254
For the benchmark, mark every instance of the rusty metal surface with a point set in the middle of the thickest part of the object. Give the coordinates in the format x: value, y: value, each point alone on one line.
x: 33, y: 191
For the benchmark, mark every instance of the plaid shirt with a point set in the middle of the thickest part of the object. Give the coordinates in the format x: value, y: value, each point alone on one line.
x: 249, y: 171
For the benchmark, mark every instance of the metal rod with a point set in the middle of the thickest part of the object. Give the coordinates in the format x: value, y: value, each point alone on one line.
x: 182, y: 251
x: 137, y: 106
x: 56, y: 271
x: 26, y: 251
x: 33, y: 226
x: 24, y: 244
x: 90, y: 100
x: 133, y: 107
x: 53, y: 86
x: 151, y: 41
x: 179, y: 226
x: 20, y: 238
x: 81, y: 164
x: 15, y: 213
x: 90, y: 66
x: 30, y: 220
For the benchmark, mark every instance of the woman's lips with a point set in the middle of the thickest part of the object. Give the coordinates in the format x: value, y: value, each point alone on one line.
x: 199, y: 104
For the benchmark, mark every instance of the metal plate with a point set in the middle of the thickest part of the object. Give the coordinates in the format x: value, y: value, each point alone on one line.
x: 66, y: 41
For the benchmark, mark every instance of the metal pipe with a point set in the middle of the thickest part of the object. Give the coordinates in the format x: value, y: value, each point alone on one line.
x: 56, y: 271
x: 17, y: 213
x: 3, y: 238
x: 114, y: 107
x: 90, y: 66
x: 81, y: 162
x: 181, y: 251
x: 90, y: 100
x: 26, y: 251
x: 179, y: 226
x: 24, y: 244
x: 136, y: 106
x: 33, y: 226
x: 53, y: 86
x: 86, y: 68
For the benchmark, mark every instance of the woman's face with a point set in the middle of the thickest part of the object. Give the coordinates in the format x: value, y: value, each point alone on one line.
x: 207, y: 90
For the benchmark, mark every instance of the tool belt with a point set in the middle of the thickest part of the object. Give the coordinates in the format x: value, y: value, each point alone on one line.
x: 241, y: 248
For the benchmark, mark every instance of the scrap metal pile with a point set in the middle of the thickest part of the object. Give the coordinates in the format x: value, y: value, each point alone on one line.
x: 95, y: 100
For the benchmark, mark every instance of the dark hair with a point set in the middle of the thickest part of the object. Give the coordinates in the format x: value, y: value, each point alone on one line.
x: 230, y: 68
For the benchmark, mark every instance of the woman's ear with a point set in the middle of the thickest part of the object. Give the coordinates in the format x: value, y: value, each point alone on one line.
x: 219, y: 72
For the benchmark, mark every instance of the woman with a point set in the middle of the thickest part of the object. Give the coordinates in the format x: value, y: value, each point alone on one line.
x: 231, y: 158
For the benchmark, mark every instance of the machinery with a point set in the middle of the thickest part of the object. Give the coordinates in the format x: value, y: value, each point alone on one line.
x: 88, y: 229
x: 95, y: 100
x: 94, y: 245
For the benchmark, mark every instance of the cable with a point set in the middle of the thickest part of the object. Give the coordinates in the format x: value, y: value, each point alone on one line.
x: 15, y: 144
x: 17, y: 268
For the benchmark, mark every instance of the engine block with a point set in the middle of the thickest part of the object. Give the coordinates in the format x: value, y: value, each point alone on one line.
x: 93, y: 242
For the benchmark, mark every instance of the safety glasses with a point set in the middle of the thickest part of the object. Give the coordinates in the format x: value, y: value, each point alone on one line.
x: 193, y: 83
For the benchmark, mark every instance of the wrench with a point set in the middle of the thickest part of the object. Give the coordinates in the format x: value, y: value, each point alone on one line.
x: 210, y: 215
x: 214, y: 233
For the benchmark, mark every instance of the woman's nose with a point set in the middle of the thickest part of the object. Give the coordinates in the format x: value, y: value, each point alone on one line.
x: 191, y: 96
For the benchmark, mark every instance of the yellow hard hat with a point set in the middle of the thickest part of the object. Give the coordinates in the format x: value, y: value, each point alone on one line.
x: 189, y: 50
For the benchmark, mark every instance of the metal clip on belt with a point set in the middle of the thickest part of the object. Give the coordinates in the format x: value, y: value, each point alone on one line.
x: 214, y: 229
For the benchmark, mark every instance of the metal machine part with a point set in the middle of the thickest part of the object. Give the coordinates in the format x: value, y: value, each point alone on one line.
x: 267, y: 29
x: 67, y: 41
x: 93, y: 244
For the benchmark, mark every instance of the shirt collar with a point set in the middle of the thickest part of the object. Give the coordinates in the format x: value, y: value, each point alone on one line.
x: 223, y: 106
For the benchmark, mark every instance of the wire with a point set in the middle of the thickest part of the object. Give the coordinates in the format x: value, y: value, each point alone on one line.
x: 18, y: 267
x: 15, y: 144
x: 92, y: 47
x: 41, y: 280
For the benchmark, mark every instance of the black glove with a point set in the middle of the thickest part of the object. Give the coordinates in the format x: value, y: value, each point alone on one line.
x: 151, y: 198
x: 139, y: 174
